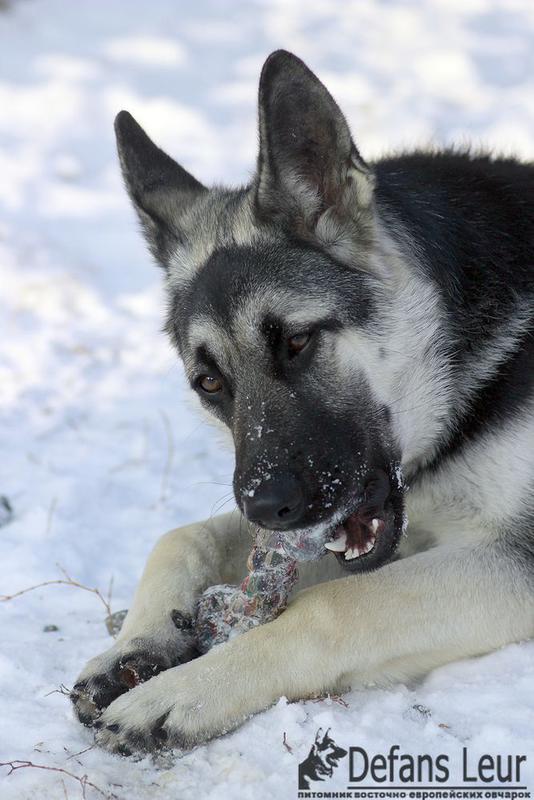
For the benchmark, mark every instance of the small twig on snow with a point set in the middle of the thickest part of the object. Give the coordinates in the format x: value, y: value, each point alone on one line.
x: 80, y: 753
x: 110, y: 593
x: 62, y: 689
x: 83, y: 780
x: 286, y: 744
x: 66, y: 581
x: 336, y: 698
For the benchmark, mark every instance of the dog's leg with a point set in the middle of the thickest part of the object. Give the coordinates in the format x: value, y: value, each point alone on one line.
x: 157, y: 633
x: 391, y: 624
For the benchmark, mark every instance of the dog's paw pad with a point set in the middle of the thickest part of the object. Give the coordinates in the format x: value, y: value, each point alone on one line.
x: 94, y: 693
x: 137, y: 668
x: 133, y: 724
x: 92, y: 696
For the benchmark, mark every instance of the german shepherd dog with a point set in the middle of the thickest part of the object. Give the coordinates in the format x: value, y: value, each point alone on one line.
x: 360, y: 329
x: 321, y: 761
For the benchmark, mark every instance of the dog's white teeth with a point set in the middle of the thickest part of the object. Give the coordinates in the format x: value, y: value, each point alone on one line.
x: 374, y: 525
x: 337, y: 545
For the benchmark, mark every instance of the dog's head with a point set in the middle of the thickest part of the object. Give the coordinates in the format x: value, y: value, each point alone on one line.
x: 324, y: 756
x: 330, y: 752
x: 275, y: 293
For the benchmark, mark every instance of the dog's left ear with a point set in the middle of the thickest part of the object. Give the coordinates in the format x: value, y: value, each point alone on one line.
x: 311, y: 177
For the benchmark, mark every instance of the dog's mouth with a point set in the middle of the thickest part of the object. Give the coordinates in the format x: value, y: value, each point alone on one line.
x: 356, y: 537
x: 334, y: 760
x: 363, y: 539
x: 370, y: 534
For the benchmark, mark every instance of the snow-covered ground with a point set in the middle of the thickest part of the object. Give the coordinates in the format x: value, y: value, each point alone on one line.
x: 101, y: 453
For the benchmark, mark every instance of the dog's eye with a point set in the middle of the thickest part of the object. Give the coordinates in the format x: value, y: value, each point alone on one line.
x: 209, y: 384
x: 298, y: 342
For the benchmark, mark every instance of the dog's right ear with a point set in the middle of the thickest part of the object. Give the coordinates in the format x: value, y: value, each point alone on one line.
x: 160, y: 189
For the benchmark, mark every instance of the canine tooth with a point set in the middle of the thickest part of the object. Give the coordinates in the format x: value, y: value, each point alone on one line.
x: 350, y: 554
x: 374, y: 525
x: 337, y: 545
x: 370, y: 544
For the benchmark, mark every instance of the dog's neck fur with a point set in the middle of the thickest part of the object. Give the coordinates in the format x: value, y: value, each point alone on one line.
x: 458, y: 374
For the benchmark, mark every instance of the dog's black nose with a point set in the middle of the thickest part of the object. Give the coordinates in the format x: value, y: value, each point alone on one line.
x: 276, y: 504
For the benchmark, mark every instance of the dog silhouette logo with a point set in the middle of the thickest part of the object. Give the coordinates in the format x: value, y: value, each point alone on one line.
x: 321, y: 761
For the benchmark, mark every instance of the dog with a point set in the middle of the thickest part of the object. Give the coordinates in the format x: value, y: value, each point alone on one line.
x: 365, y: 334
x: 322, y: 760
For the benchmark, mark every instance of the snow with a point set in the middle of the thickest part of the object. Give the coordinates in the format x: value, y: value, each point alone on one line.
x: 102, y: 453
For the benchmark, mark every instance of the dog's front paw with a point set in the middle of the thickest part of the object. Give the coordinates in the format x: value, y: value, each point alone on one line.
x: 139, y: 721
x: 121, y: 668
x: 180, y: 708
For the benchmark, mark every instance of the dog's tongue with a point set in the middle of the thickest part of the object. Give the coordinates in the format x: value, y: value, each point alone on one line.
x: 358, y: 533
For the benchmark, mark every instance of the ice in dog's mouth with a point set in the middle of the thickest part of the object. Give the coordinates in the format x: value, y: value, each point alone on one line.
x: 356, y: 537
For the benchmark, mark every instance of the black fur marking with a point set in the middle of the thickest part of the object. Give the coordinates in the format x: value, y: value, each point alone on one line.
x: 181, y: 621
x: 472, y: 218
x: 86, y: 719
x: 158, y: 732
x: 517, y: 542
x: 497, y: 402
